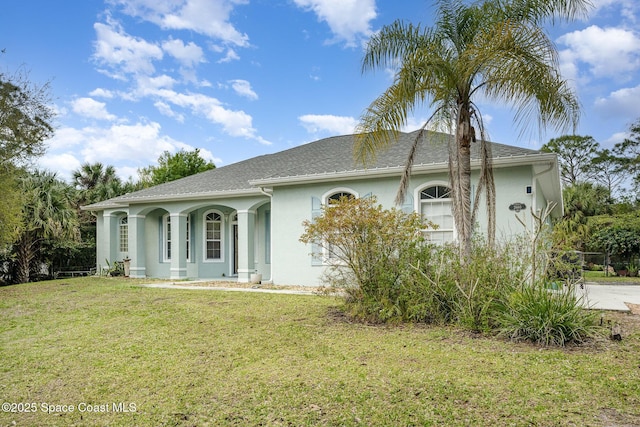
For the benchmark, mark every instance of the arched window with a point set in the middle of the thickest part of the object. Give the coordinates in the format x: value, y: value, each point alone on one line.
x: 123, y: 234
x: 331, y: 198
x: 336, y: 197
x: 435, y: 206
x: 213, y: 236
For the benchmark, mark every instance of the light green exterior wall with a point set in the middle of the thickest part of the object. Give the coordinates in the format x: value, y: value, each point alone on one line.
x: 292, y: 205
x: 269, y: 228
x: 146, y: 237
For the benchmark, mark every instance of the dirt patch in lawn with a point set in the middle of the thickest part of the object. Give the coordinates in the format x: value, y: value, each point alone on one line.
x: 236, y: 285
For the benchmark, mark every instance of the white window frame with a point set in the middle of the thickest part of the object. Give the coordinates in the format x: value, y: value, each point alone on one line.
x: 123, y: 234
x: 205, y: 240
x: 420, y: 208
x: 166, y: 238
x: 326, y: 197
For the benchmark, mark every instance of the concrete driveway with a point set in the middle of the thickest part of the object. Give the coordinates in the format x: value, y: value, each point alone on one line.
x: 610, y: 297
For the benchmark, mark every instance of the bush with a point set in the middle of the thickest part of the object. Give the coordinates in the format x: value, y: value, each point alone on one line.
x: 390, y: 273
x: 545, y: 316
x: 468, y: 294
x: 368, y: 251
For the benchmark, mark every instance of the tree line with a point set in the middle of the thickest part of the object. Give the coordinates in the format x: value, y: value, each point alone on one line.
x: 600, y: 192
x: 42, y: 226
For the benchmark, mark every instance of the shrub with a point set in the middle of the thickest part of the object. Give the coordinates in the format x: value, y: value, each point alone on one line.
x: 468, y: 294
x: 546, y: 316
x: 390, y: 273
x: 368, y: 251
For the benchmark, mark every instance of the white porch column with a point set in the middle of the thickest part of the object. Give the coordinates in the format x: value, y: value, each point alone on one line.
x: 178, y: 268
x: 137, y: 246
x: 109, y: 241
x: 246, y: 246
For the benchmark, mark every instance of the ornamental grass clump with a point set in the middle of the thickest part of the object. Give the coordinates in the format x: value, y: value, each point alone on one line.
x: 547, y: 316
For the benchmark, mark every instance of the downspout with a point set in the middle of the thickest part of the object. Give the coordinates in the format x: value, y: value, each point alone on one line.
x: 269, y: 193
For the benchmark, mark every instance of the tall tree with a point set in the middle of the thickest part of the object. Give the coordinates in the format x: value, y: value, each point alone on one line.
x: 174, y: 166
x: 25, y: 118
x: 95, y: 182
x: 11, y: 210
x: 25, y: 124
x: 608, y: 170
x: 629, y: 151
x: 575, y: 155
x: 492, y: 50
x: 581, y: 201
x: 48, y: 214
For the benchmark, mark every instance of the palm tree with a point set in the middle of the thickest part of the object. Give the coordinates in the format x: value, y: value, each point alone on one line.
x: 48, y: 214
x: 96, y: 182
x: 494, y: 50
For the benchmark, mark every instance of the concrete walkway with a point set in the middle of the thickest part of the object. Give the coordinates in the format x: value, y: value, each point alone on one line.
x: 602, y: 297
x: 610, y: 297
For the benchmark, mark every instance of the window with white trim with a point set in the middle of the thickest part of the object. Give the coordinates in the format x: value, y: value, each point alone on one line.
x: 435, y: 206
x: 336, y: 197
x: 123, y: 233
x: 331, y: 200
x: 213, y: 236
x: 166, y: 226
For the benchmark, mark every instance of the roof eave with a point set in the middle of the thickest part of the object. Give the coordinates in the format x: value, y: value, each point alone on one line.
x: 506, y: 161
x: 174, y: 198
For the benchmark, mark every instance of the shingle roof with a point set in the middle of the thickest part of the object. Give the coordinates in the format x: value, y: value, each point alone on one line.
x: 332, y: 155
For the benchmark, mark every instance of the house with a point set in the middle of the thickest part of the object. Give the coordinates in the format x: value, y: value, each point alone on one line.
x: 246, y: 217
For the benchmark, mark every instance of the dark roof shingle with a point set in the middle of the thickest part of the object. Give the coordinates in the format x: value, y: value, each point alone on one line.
x: 329, y: 155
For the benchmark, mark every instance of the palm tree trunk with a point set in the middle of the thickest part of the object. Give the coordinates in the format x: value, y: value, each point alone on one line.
x: 25, y: 251
x: 462, y: 188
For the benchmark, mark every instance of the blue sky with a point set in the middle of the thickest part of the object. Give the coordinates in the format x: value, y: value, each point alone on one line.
x: 239, y: 78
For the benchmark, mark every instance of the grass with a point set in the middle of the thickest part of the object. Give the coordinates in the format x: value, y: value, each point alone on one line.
x: 600, y: 277
x: 199, y: 357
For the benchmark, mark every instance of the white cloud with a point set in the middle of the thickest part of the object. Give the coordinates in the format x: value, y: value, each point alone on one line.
x: 349, y: 20
x: 208, y: 17
x: 337, y: 125
x: 141, y: 142
x: 208, y: 156
x: 230, y: 56
x: 91, y: 108
x: 243, y: 88
x: 620, y: 103
x: 165, y: 109
x: 628, y: 8
x: 64, y: 164
x: 234, y: 123
x: 122, y: 52
x: 64, y: 138
x: 616, y: 138
x: 188, y: 55
x: 609, y: 52
x: 102, y: 93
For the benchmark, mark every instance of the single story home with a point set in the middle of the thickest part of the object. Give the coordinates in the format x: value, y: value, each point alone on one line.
x: 246, y: 218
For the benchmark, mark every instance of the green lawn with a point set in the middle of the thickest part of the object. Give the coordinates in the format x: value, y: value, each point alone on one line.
x: 196, y: 358
x: 601, y: 277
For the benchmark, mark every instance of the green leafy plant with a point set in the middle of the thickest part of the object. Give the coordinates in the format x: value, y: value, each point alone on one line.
x: 545, y: 316
x: 367, y: 250
x: 115, y: 269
